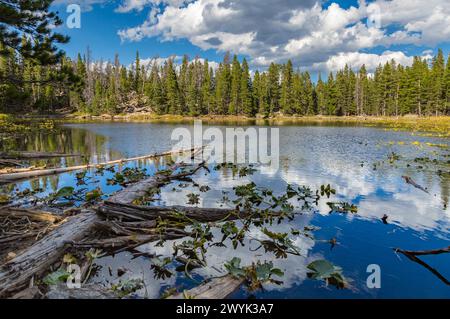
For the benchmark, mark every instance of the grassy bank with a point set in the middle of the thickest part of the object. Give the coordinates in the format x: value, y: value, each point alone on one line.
x: 13, y: 127
x: 428, y: 126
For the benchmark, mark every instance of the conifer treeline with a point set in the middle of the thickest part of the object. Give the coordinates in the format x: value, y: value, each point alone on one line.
x: 195, y: 88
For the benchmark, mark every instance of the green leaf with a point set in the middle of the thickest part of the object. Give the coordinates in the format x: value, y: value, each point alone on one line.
x: 4, y: 199
x: 234, y: 268
x: 324, y: 270
x: 93, y: 195
x: 277, y: 272
x: 56, y: 277
x: 65, y: 192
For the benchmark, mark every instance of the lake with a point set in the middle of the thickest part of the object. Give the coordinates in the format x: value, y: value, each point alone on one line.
x: 364, y: 165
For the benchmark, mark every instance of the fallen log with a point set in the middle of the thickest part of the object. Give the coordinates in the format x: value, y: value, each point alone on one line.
x: 216, y: 288
x: 20, y: 175
x: 148, y: 213
x: 11, y: 162
x: 122, y: 243
x: 20, y: 228
x: 22, y: 169
x: 85, y: 292
x: 34, y: 261
x: 34, y: 215
x: 28, y: 293
x: 140, y: 189
x: 34, y: 155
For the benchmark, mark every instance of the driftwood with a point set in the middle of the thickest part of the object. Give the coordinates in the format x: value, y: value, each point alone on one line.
x: 28, y: 293
x: 216, y: 288
x: 424, y: 252
x: 34, y: 261
x: 10, y: 170
x: 19, y: 228
x: 34, y: 215
x: 140, y: 189
x: 148, y: 213
x: 24, y: 174
x: 10, y: 162
x: 85, y: 292
x: 412, y: 255
x: 34, y: 155
x: 119, y: 244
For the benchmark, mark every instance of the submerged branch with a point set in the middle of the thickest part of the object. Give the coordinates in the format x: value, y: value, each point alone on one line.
x: 34, y: 172
x: 412, y: 255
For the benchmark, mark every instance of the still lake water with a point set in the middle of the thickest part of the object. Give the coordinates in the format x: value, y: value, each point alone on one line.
x: 354, y: 160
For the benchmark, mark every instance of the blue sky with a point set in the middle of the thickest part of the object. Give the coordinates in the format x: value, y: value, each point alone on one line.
x: 315, y: 35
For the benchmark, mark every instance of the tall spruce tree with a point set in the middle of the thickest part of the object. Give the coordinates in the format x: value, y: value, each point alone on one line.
x: 235, y: 98
x: 247, y: 105
x: 287, y: 101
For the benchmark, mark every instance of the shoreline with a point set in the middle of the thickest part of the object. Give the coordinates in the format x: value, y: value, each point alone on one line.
x: 438, y: 126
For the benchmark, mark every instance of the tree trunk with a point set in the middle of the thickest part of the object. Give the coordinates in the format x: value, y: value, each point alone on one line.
x: 8, y: 178
x: 216, y: 288
x: 16, y: 273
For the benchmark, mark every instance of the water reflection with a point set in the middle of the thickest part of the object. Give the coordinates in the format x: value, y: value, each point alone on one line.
x: 355, y: 161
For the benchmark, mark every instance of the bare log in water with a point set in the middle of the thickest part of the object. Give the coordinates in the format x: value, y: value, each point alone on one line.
x: 140, y: 189
x: 35, y: 260
x: 34, y: 155
x: 11, y: 162
x: 216, y: 288
x: 127, y: 212
x: 121, y: 243
x: 21, y: 170
x: 33, y: 172
x: 85, y: 292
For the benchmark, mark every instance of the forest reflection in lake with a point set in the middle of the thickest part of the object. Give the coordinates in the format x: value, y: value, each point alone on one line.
x: 357, y: 161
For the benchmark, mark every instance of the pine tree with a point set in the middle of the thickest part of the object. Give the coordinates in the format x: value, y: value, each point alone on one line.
x: 273, y: 79
x: 235, y: 102
x: 264, y: 96
x: 206, y: 98
x: 247, y: 105
x: 32, y: 20
x: 223, y: 86
x: 447, y: 87
x: 320, y: 96
x: 331, y: 95
x: 137, y: 75
x: 183, y: 80
x: 437, y: 84
x: 287, y: 102
x: 308, y: 97
x: 257, y: 91
x: 171, y: 88
x: 154, y: 90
